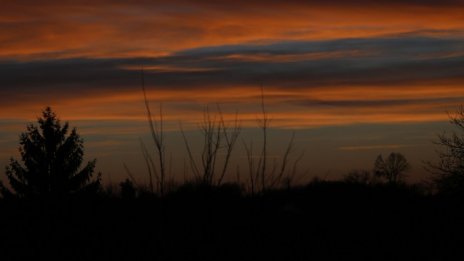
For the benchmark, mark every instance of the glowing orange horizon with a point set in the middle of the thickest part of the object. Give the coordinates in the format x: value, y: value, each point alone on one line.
x: 128, y: 106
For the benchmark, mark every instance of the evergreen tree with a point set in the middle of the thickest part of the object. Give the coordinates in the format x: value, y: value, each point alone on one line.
x: 51, y: 162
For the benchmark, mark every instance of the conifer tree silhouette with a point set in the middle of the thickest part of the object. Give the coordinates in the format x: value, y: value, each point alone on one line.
x: 51, y: 162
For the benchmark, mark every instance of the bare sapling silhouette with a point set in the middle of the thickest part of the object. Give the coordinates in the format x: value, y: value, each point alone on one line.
x: 262, y: 174
x: 156, y: 124
x: 219, y: 140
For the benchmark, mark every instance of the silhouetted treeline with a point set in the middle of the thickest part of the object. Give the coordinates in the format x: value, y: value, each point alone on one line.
x: 54, y: 209
x: 322, y: 221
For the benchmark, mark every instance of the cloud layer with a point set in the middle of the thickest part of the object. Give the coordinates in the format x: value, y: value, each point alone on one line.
x: 402, y: 77
x: 64, y: 29
x: 324, y: 64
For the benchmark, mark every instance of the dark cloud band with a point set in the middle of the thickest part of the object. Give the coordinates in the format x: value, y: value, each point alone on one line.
x: 368, y: 62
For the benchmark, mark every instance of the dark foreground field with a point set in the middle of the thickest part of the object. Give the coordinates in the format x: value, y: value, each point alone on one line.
x: 321, y: 221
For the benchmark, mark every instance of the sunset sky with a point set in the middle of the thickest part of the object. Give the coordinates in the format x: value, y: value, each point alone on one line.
x: 352, y: 79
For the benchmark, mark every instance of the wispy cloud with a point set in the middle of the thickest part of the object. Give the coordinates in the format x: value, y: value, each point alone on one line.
x: 378, y: 79
x: 70, y: 29
x: 373, y: 147
x: 300, y: 64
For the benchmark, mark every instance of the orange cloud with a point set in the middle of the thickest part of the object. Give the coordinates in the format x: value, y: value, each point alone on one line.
x: 287, y: 109
x: 97, y: 29
x: 139, y: 28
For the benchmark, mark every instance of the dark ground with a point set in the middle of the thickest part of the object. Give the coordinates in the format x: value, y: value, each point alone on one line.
x: 321, y: 221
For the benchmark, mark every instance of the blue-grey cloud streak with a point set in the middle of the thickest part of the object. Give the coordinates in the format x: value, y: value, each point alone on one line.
x: 388, y: 61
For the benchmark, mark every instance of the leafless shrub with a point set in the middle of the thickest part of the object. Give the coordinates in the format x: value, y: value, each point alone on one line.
x: 260, y: 176
x: 448, y: 172
x: 217, y: 137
